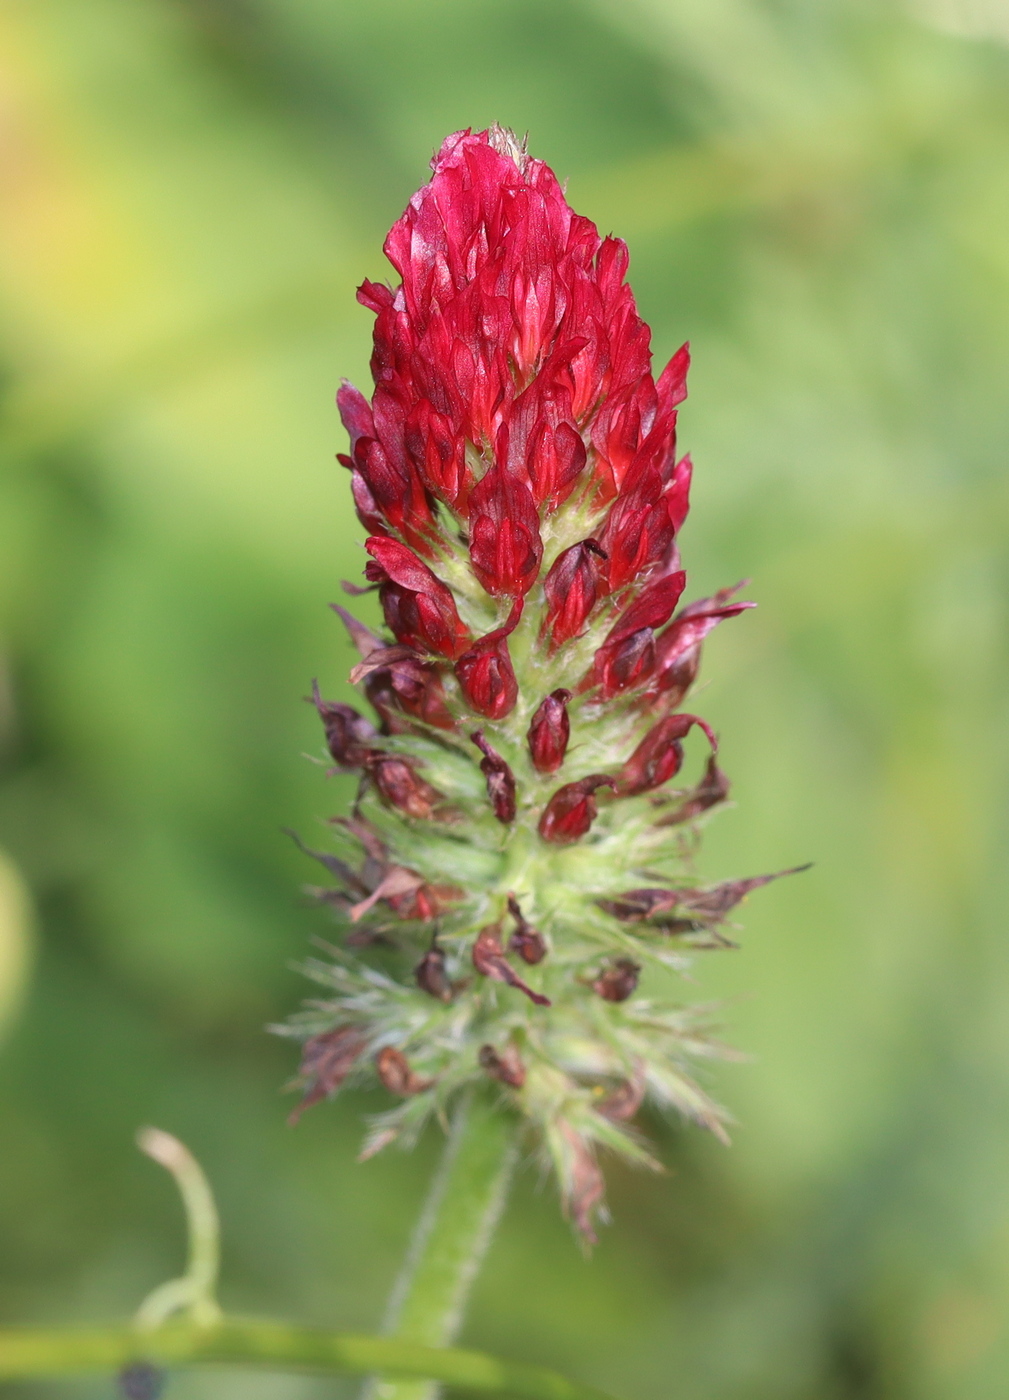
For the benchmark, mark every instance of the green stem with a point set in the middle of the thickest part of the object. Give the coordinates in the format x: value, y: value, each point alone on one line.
x: 28, y: 1353
x: 455, y: 1227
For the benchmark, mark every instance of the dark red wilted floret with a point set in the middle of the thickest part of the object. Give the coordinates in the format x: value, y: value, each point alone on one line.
x: 713, y: 788
x: 411, y: 687
x: 326, y: 1060
x: 618, y: 981
x: 396, y: 678
x: 349, y: 736
x: 624, y: 1101
x: 431, y: 976
x: 678, y: 647
x: 527, y: 941
x: 500, y: 779
x: 489, y: 960
x: 666, y: 907
x: 393, y: 1069
x: 401, y: 786
x: 506, y: 1067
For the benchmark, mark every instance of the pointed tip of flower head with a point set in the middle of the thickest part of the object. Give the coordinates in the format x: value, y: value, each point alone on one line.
x: 496, y: 137
x: 507, y: 143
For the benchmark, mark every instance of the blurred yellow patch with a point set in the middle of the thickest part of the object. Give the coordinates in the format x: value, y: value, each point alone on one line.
x: 959, y: 1327
x: 15, y: 941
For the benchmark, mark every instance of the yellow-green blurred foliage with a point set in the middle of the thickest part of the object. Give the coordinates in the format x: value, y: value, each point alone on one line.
x: 816, y: 193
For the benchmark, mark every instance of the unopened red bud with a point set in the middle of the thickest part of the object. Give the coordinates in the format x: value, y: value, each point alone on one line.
x: 349, y: 736
x: 571, y: 588
x: 490, y: 961
x: 507, y: 1067
x: 571, y: 811
x: 431, y: 976
x: 500, y: 779
x: 618, y: 981
x: 418, y: 607
x: 659, y: 756
x: 550, y: 731
x: 527, y: 941
x: 394, y: 1071
x: 400, y: 785
x: 505, y: 548
x: 485, y: 673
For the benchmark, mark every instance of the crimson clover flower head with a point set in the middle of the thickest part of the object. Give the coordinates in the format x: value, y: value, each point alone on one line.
x: 516, y: 471
x: 511, y: 371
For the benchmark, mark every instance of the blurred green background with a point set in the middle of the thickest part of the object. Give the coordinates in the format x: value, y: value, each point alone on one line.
x: 816, y: 194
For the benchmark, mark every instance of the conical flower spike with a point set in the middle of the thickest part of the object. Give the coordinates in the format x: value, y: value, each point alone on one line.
x: 517, y: 475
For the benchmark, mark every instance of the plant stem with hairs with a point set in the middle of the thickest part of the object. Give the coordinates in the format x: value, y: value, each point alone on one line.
x: 457, y: 1222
